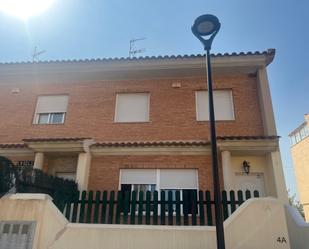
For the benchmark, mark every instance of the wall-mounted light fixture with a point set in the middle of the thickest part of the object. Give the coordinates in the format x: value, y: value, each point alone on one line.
x: 246, y: 167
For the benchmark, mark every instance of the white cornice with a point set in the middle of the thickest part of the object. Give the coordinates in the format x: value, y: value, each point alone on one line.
x: 257, y: 146
x: 147, y: 151
x: 19, y: 152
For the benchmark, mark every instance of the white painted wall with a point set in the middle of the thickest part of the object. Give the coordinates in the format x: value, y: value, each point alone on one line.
x: 259, y: 164
x: 298, y: 229
x: 256, y: 224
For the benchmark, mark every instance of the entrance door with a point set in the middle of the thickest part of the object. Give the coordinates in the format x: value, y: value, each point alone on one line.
x: 250, y: 182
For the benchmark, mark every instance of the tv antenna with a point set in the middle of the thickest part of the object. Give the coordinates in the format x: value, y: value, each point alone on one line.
x: 36, y: 54
x: 133, y: 50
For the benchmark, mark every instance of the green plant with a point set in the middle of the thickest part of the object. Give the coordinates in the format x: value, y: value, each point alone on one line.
x: 295, y: 203
x: 6, y: 175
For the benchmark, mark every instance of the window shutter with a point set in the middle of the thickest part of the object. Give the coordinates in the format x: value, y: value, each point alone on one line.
x: 138, y: 176
x: 223, y: 104
x: 50, y: 104
x: 132, y: 107
x: 178, y: 179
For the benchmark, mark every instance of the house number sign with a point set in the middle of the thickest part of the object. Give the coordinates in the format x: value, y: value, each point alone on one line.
x: 282, y: 240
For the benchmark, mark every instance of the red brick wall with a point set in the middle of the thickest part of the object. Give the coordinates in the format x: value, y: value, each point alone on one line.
x: 92, y: 105
x: 104, y: 170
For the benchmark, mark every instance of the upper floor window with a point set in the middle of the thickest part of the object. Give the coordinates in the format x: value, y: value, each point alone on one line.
x: 132, y: 107
x: 223, y: 104
x: 300, y: 134
x: 51, y: 109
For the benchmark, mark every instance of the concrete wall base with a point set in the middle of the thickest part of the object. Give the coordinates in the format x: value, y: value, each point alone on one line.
x: 258, y: 223
x: 298, y: 229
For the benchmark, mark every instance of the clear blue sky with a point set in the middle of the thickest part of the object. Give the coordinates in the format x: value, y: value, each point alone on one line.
x: 73, y: 29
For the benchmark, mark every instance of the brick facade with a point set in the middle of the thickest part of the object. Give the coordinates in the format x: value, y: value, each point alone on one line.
x: 92, y: 88
x: 92, y: 106
x: 104, y: 170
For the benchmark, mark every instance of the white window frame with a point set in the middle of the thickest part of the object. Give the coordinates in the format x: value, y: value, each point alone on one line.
x: 207, y: 120
x: 50, y: 114
x: 37, y: 118
x: 116, y: 107
x: 158, y: 187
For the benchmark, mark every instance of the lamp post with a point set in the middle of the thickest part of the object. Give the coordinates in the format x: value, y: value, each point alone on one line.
x: 205, y: 28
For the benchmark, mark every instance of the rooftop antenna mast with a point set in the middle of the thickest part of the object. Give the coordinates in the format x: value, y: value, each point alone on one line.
x: 133, y: 50
x: 36, y: 54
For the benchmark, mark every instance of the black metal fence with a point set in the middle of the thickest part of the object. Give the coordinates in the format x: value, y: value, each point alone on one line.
x: 29, y: 180
x: 25, y: 179
x: 150, y: 208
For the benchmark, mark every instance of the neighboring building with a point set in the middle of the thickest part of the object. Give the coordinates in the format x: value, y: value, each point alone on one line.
x: 143, y: 123
x: 300, y: 154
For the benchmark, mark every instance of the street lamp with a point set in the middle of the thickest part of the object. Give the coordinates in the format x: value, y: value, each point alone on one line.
x: 205, y: 28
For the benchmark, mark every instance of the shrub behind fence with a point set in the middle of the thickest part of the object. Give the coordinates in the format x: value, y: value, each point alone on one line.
x: 29, y: 180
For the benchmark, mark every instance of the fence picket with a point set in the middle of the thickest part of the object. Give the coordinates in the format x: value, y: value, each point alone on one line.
x: 162, y: 213
x: 240, y: 197
x: 248, y: 194
x: 104, y: 206
x: 89, y: 207
x: 233, y: 203
x: 201, y: 207
x: 111, y: 207
x: 208, y: 208
x: 82, y: 208
x: 75, y: 206
x: 178, y: 220
x: 140, y: 207
x: 170, y: 207
x: 68, y: 206
x: 133, y: 208
x: 155, y: 208
x: 194, y: 210
x: 186, y: 208
x: 148, y: 199
x: 119, y: 207
x: 96, y: 207
x: 126, y: 207
x: 224, y: 205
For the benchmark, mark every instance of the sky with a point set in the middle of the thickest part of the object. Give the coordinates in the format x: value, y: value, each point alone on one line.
x: 80, y: 29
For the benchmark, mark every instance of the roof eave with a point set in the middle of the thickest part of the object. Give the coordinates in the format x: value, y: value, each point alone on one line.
x: 249, y: 60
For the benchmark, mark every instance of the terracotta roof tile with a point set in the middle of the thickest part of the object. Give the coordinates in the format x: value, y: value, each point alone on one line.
x: 55, y: 139
x: 268, y: 52
x: 150, y: 143
x: 133, y: 143
x: 13, y: 146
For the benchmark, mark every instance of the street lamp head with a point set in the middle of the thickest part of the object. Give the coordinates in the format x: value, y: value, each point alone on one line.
x: 205, y: 28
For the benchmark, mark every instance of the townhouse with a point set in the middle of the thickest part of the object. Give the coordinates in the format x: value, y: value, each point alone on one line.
x: 142, y: 123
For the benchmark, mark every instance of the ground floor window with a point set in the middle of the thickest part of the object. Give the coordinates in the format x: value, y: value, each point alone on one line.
x: 183, y: 180
x: 138, y: 187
